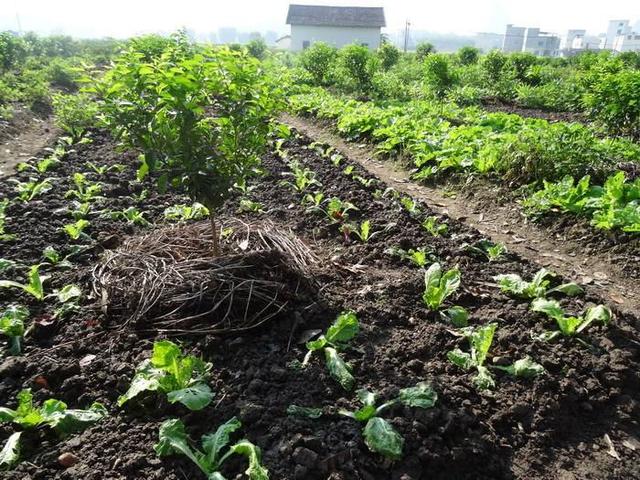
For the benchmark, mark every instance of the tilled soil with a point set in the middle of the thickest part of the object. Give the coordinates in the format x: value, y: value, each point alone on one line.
x: 549, y: 427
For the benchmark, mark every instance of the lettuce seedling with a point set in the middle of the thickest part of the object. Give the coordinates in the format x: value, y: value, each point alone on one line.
x: 491, y: 251
x: 182, y: 378
x: 379, y: 435
x: 52, y: 413
x: 84, y: 191
x: 362, y: 231
x: 10, y: 453
x: 132, y: 216
x: 34, y: 287
x: 76, y: 230
x: 410, y: 205
x: 53, y: 257
x: 101, y: 170
x: 196, y: 211
x: 480, y: 340
x: 538, y: 287
x: 303, y: 178
x: 418, y: 257
x: 338, y: 335
x: 439, y: 286
x: 4, y: 236
x: 174, y: 440
x: 434, y: 227
x: 27, y: 191
x: 313, y: 200
x: 569, y: 326
x: 249, y: 206
x: 458, y: 316
x: 12, y: 326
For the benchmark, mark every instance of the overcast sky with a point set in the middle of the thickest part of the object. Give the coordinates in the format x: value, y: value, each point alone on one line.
x: 122, y: 18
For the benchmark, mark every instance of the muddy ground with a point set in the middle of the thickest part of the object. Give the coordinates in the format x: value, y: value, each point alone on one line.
x: 546, y: 428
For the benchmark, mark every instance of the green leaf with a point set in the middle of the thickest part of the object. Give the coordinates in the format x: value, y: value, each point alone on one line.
x: 381, y: 437
x: 308, y: 412
x: 483, y: 380
x: 338, y: 369
x: 255, y: 471
x: 26, y: 415
x: 461, y: 359
x: 147, y: 378
x: 194, y: 397
x: 318, y: 344
x: 343, y: 329
x: 599, y: 313
x: 10, y: 453
x: 481, y: 340
x: 511, y: 283
x: 569, y: 325
x: 456, y: 315
x: 173, y: 439
x: 68, y: 293
x: 524, y: 368
x: 570, y: 289
x: 438, y: 286
x: 72, y: 420
x: 551, y: 308
x: 422, y: 396
x: 213, y: 443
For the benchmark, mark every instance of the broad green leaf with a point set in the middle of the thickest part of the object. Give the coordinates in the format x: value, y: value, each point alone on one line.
x: 10, y: 453
x: 339, y: 370
x: 569, y: 325
x: 309, y: 412
x: 431, y: 295
x: 12, y: 321
x: 599, y: 313
x: 213, y: 443
x: 483, y: 380
x: 456, y: 315
x: 365, y: 230
x: 525, y: 368
x: 551, y: 308
x: 511, y: 283
x: 72, y: 420
x: 381, y: 437
x: 365, y: 413
x: 570, y: 289
x: 343, y: 329
x: 68, y: 293
x: 252, y: 452
x: 366, y: 397
x: 481, y: 340
x: 318, y: 344
x: 461, y: 359
x: 450, y: 281
x: 194, y: 397
x: 147, y: 378
x: 422, y: 396
x: 173, y: 439
x: 26, y: 414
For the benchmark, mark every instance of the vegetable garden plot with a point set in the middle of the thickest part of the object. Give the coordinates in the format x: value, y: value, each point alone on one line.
x: 521, y: 427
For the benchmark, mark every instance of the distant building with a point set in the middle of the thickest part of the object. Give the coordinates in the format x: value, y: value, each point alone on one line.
x: 337, y: 26
x: 531, y: 40
x: 488, y: 41
x: 622, y: 37
x: 614, y: 30
x: 284, y: 43
x: 629, y: 42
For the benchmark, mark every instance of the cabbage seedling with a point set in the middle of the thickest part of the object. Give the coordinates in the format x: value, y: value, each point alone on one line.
x: 4, y: 236
x: 35, y: 285
x: 491, y: 251
x: 76, y: 230
x: 439, y: 286
x: 183, y: 379
x: 379, y: 435
x: 27, y: 191
x: 84, y: 191
x: 12, y: 325
x: 10, y: 453
x: 434, y: 227
x: 362, y: 231
x: 303, y: 178
x: 570, y: 326
x: 174, y: 440
x: 183, y: 213
x: 132, y: 216
x: 101, y: 170
x: 249, y: 206
x: 538, y: 287
x: 338, y: 335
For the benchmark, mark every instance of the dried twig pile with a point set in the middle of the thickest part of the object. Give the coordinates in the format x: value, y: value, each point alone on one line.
x: 168, y: 279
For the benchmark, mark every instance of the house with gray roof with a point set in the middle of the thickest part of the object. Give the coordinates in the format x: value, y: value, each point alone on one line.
x: 337, y: 26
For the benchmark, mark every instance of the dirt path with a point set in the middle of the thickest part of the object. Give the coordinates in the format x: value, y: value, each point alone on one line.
x: 32, y: 137
x: 503, y: 223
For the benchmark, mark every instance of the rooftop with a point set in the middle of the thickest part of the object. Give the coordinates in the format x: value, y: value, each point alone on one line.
x: 323, y: 16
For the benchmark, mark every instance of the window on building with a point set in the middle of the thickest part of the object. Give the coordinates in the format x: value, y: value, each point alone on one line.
x: 364, y: 45
x: 306, y: 44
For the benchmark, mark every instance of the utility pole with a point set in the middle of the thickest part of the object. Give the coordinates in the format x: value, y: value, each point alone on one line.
x: 19, y: 24
x: 406, y: 35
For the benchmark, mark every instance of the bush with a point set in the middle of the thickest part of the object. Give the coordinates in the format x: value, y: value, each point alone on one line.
x: 319, y: 61
x: 74, y: 114
x: 257, y: 48
x: 468, y: 55
x: 13, y: 51
x: 492, y: 65
x: 520, y: 64
x: 63, y: 74
x: 466, y: 95
x: 614, y: 100
x: 358, y: 64
x: 438, y: 74
x: 424, y: 49
x: 388, y: 55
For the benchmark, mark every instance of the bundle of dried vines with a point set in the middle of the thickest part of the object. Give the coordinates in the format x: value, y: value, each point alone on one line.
x: 168, y: 280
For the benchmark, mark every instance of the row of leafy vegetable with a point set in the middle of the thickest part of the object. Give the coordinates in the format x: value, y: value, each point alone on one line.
x: 440, y: 138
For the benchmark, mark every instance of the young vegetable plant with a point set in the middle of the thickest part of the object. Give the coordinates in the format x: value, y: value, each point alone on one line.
x: 27, y: 191
x: 196, y: 211
x: 249, y: 206
x: 182, y: 379
x: 103, y: 169
x: 132, y: 216
x: 362, y: 231
x: 76, y: 230
x: 434, y: 227
x: 491, y: 251
x: 313, y: 200
x: 34, y: 287
x: 379, y: 435
x: 303, y: 178
x: 10, y: 453
x: 569, y: 326
x: 418, y: 257
x: 410, y: 205
x: 538, y: 287
x: 53, y: 257
x: 4, y: 236
x: 480, y: 340
x: 337, y: 337
x: 438, y: 286
x: 337, y: 210
x: 52, y: 413
x: 85, y: 191
x: 12, y: 325
x: 174, y: 440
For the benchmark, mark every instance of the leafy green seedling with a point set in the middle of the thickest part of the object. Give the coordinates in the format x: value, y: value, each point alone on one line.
x: 174, y: 440
x: 313, y: 200
x: 4, y: 236
x: 348, y: 170
x: 249, y: 206
x: 27, y: 191
x: 35, y: 285
x: 142, y: 196
x: 523, y: 368
x: 132, y: 216
x: 42, y: 166
x: 434, y: 227
x: 307, y: 412
x: 365, y: 182
x: 379, y: 435
x: 536, y: 288
x: 491, y: 251
x: 338, y: 335
x: 85, y: 191
x: 569, y: 326
x: 336, y: 158
x: 102, y: 169
x: 362, y: 231
x: 196, y: 211
x: 52, y: 413
x: 12, y: 325
x: 410, y: 205
x: 80, y: 210
x: 10, y: 453
x: 337, y: 210
x: 458, y: 316
x: 303, y: 178
x: 439, y: 286
x: 182, y: 378
x: 76, y: 230
x: 418, y: 257
x: 52, y: 256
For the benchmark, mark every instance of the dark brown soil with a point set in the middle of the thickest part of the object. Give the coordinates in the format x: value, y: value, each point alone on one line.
x: 547, y: 428
x: 495, y: 105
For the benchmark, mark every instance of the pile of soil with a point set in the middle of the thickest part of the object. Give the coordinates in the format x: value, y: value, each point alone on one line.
x: 553, y: 426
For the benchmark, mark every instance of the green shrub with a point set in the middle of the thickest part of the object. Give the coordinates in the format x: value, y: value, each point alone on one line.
x: 358, y: 64
x: 74, y: 114
x: 439, y: 75
x: 257, y: 48
x: 319, y: 60
x: 13, y: 51
x: 424, y: 49
x: 492, y: 65
x: 63, y: 74
x: 520, y: 63
x: 468, y: 55
x: 388, y: 55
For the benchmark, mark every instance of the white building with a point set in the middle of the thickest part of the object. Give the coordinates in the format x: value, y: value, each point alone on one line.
x: 615, y: 29
x: 629, y: 42
x: 531, y: 40
x: 337, y: 26
x: 284, y: 43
